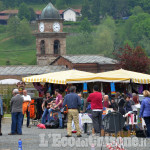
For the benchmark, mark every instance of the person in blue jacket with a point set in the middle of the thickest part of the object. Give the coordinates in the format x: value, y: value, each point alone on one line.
x: 145, y: 110
x: 1, y: 114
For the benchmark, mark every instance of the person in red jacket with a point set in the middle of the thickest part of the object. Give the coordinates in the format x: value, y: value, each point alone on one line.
x: 97, y: 108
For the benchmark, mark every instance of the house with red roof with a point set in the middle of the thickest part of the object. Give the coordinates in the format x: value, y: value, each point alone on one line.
x: 70, y: 14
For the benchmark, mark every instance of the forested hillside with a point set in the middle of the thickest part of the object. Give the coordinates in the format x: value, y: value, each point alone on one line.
x: 105, y: 26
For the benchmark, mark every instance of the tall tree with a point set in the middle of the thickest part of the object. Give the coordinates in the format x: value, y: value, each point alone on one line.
x: 24, y: 12
x: 95, y: 17
x: 86, y: 10
x: 104, y: 37
x: 12, y: 26
x: 32, y: 14
x: 134, y: 59
x: 23, y: 33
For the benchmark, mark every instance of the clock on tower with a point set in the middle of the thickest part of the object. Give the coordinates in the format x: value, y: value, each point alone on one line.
x: 50, y: 38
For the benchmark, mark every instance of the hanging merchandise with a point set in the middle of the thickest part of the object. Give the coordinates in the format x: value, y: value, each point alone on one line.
x: 113, y: 91
x: 85, y: 88
x: 39, y: 88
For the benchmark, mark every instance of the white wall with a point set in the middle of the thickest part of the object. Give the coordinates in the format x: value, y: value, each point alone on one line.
x: 69, y: 15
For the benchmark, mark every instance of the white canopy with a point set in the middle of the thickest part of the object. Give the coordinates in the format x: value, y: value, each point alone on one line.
x: 9, y: 81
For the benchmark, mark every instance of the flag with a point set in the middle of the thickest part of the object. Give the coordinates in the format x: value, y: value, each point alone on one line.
x: 84, y: 88
x: 113, y: 92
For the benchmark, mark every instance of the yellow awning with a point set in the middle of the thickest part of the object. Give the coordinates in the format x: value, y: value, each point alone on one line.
x: 125, y: 75
x: 75, y: 76
x: 61, y: 77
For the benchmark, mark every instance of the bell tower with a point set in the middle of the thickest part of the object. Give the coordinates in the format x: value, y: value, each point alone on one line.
x: 50, y: 38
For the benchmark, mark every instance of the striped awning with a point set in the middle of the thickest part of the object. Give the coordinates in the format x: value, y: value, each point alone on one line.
x: 75, y: 76
x: 62, y: 77
x: 132, y: 76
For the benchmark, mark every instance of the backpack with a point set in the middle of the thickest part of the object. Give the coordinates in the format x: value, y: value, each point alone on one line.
x: 52, y: 124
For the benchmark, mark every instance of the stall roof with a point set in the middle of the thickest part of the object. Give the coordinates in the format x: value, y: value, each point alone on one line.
x: 29, y: 70
x: 61, y: 77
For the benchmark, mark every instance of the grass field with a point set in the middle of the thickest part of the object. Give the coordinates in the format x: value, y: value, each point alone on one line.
x: 15, y: 53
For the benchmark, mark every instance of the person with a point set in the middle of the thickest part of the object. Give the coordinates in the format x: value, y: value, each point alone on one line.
x: 26, y: 107
x: 131, y: 99
x: 106, y: 102
x: 136, y: 105
x: 117, y: 97
x: 45, y: 107
x: 1, y: 114
x: 16, y: 113
x: 114, y: 104
x: 145, y: 110
x: 128, y: 105
x: 121, y: 106
x: 73, y: 101
x: 57, y: 106
x: 82, y: 103
x: 97, y: 108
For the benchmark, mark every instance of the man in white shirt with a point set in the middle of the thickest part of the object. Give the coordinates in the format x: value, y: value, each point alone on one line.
x: 26, y: 107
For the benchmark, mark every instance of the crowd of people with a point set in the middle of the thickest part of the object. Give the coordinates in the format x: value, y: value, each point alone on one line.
x: 95, y: 102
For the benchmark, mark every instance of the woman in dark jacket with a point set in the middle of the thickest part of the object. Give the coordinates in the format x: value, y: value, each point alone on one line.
x: 145, y: 110
x: 1, y: 114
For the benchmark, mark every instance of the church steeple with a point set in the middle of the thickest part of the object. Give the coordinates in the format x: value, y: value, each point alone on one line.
x: 50, y: 38
x: 50, y: 12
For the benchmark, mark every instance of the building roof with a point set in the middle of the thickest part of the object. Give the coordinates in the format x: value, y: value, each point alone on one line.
x: 4, y: 17
x: 38, y: 12
x: 50, y: 12
x: 29, y: 70
x: 9, y: 12
x: 75, y: 59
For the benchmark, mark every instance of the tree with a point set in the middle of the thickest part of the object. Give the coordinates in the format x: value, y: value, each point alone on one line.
x: 95, y: 15
x: 32, y: 14
x: 24, y: 12
x: 104, y: 37
x: 12, y: 26
x: 114, y: 8
x: 85, y: 26
x: 136, y: 10
x: 86, y: 10
x: 81, y: 43
x: 133, y: 59
x: 1, y: 6
x: 59, y: 4
x: 145, y: 4
x: 136, y: 27
x: 23, y: 33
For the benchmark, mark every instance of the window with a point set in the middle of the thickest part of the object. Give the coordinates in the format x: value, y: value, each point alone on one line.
x: 42, y: 47
x: 56, y: 47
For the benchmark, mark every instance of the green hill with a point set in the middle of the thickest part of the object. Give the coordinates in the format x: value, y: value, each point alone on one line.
x: 16, y: 54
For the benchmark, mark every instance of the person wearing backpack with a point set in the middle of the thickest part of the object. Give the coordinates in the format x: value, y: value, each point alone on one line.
x: 145, y: 110
x: 1, y: 114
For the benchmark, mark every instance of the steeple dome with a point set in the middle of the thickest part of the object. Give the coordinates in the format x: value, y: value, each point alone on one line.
x: 50, y: 12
